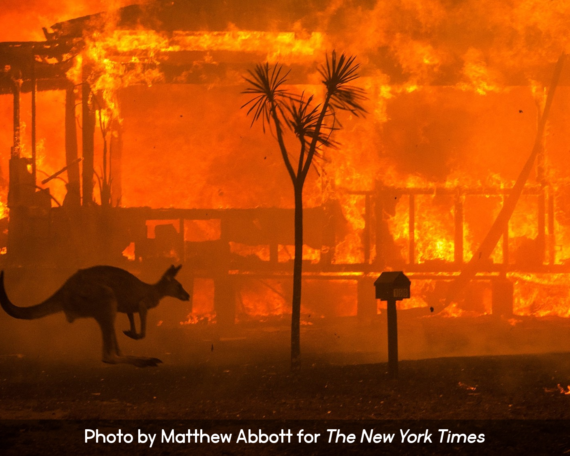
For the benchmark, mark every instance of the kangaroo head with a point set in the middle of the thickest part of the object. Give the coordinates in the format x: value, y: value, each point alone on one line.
x: 172, y: 287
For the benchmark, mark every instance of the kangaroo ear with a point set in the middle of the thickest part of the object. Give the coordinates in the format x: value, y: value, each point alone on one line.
x: 172, y: 271
x: 169, y: 272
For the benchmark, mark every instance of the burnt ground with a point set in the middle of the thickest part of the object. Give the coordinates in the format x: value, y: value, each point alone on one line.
x: 505, y: 387
x: 243, y: 379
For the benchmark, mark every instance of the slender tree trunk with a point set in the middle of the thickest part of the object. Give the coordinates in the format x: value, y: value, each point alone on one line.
x: 297, y: 277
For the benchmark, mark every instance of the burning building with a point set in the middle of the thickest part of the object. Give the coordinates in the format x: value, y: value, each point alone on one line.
x: 124, y: 143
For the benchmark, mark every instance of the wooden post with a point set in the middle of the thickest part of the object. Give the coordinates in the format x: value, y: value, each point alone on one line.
x: 551, y: 238
x: 459, y: 217
x: 379, y: 216
x: 88, y: 119
x: 366, y: 232
x: 15, y: 164
x: 16, y: 111
x: 392, y: 286
x: 71, y: 140
x: 33, y: 119
x: 116, y: 162
x: 412, y: 229
x: 392, y: 339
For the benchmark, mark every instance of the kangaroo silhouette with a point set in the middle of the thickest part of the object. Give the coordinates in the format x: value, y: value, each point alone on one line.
x: 100, y: 292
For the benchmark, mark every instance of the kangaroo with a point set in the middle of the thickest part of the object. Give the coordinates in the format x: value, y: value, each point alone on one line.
x: 100, y: 292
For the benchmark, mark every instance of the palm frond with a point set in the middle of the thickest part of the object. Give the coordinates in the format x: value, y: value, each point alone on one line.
x: 302, y: 119
x: 266, y: 84
x: 337, y: 73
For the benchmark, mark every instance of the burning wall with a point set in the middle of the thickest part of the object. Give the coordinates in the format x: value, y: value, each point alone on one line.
x: 454, y: 90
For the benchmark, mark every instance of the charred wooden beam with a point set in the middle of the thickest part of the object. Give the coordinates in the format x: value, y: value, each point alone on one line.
x: 412, y: 230
x: 116, y: 159
x: 379, y: 216
x: 459, y: 220
x: 46, y: 62
x: 71, y: 152
x: 88, y: 134
x: 367, y: 228
x: 61, y: 171
x: 16, y: 82
x: 34, y: 120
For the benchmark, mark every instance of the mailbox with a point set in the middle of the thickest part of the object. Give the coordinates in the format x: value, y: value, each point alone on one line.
x: 393, y: 285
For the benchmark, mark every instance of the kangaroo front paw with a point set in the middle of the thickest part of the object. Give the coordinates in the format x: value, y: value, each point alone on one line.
x: 132, y: 335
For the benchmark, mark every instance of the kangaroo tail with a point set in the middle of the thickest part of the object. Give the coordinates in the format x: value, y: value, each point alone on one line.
x: 48, y: 307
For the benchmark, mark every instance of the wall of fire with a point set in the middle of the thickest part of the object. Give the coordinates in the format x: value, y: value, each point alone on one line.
x: 154, y: 113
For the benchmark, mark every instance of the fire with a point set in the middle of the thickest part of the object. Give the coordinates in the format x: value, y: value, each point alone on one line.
x: 262, y: 299
x: 129, y: 252
x: 451, y: 114
x: 202, y: 303
x: 542, y: 295
x: 478, y: 76
x: 282, y: 47
x: 121, y: 58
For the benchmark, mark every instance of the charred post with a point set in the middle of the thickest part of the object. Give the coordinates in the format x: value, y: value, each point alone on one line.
x: 379, y: 235
x: 459, y: 220
x: 34, y: 129
x: 412, y: 229
x: 367, y: 228
x: 116, y: 160
x: 392, y: 339
x: 88, y: 135
x: 71, y: 152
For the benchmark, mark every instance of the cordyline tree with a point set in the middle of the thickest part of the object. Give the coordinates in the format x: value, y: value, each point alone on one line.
x: 313, y: 125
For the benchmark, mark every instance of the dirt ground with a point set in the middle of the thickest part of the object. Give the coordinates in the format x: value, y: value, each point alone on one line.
x: 473, y: 388
x: 239, y: 381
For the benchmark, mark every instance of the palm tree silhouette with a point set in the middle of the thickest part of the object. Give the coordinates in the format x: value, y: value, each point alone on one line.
x: 313, y: 125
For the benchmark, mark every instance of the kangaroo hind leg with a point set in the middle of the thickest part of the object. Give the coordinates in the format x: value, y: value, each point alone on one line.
x: 105, y: 317
x: 107, y: 311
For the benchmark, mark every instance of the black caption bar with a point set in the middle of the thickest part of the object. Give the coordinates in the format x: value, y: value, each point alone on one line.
x: 284, y: 437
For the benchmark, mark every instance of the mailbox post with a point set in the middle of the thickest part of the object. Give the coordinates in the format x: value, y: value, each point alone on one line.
x: 392, y: 286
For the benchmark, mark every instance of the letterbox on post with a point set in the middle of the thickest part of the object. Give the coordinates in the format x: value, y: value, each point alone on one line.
x: 392, y: 286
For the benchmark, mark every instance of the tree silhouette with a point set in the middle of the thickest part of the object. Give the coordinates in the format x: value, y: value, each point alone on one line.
x: 313, y: 125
